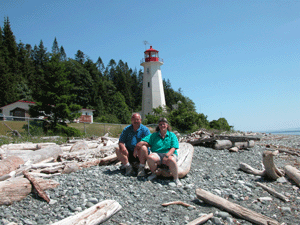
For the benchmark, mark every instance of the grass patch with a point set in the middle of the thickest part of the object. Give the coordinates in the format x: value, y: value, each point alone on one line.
x: 14, y: 125
x: 99, y: 129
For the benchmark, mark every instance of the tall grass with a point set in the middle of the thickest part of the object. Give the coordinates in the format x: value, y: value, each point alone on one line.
x: 87, y: 130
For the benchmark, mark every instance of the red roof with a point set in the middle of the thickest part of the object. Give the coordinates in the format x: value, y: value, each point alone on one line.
x: 20, y: 101
x: 151, y: 50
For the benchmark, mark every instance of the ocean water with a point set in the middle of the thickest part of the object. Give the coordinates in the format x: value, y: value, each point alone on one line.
x: 286, y: 132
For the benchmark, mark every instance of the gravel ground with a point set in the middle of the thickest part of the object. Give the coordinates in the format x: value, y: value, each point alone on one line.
x: 215, y: 171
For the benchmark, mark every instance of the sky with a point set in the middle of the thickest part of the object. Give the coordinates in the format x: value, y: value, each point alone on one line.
x: 234, y: 59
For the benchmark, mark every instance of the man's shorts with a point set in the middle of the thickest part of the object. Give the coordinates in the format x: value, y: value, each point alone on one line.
x: 131, y: 158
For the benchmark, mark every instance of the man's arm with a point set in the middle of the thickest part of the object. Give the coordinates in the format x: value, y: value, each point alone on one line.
x: 122, y: 147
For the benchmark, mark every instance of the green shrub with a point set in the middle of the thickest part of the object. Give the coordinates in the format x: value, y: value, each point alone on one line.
x: 64, y: 131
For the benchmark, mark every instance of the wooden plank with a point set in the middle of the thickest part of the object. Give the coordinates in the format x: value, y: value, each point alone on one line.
x: 93, y: 215
x: 234, y: 209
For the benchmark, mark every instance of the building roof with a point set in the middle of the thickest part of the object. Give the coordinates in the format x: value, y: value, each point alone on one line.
x: 151, y: 50
x: 23, y: 101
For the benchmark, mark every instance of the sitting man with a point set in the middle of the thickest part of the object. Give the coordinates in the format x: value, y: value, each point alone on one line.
x: 127, y: 152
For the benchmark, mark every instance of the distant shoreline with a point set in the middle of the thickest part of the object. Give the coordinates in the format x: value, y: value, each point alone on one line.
x: 285, y: 132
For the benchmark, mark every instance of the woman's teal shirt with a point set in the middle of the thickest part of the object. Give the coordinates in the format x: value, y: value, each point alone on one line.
x: 160, y: 145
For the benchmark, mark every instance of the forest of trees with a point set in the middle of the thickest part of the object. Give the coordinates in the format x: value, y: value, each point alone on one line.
x: 61, y: 85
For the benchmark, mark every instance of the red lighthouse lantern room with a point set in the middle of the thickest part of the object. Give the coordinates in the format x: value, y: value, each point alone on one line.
x: 151, y: 55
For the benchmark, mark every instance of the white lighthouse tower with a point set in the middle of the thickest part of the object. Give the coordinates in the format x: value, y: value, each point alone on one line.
x: 153, y: 90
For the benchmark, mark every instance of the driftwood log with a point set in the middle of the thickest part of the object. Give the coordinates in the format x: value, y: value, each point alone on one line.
x: 293, y: 174
x: 234, y: 209
x: 38, y: 155
x: 10, y: 164
x: 18, y: 188
x: 185, y: 156
x: 36, y: 186
x: 210, y: 141
x: 273, y: 192
x: 178, y: 203
x: 201, y: 219
x: 93, y: 215
x: 26, y: 146
x: 270, y: 171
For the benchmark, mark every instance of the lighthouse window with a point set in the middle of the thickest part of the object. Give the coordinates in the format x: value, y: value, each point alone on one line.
x: 148, y: 84
x: 147, y: 70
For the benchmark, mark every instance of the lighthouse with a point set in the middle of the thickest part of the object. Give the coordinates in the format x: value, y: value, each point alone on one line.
x: 153, y: 89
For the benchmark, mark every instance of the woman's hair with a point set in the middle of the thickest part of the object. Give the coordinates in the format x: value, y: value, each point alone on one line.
x: 162, y: 119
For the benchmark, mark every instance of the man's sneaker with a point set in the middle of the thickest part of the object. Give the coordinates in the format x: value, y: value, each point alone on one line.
x: 129, y: 170
x: 178, y: 183
x: 152, y: 176
x: 141, y: 171
x: 122, y: 167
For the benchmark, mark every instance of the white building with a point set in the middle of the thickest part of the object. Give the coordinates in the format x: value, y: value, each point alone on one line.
x: 153, y: 89
x: 21, y: 109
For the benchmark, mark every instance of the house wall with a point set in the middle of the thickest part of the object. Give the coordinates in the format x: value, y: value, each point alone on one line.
x: 87, y: 114
x: 8, y: 109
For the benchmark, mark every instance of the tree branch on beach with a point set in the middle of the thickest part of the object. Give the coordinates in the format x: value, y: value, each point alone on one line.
x: 270, y: 171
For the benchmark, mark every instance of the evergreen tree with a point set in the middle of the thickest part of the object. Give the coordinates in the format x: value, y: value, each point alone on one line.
x: 9, y: 60
x: 55, y: 100
x: 96, y: 76
x: 63, y: 55
x: 82, y: 82
x: 40, y: 58
x: 80, y: 57
x: 26, y: 71
x: 4, y: 74
x: 119, y: 108
x: 55, y: 48
x: 100, y: 65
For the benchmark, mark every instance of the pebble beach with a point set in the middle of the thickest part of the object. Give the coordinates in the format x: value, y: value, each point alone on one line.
x: 216, y: 171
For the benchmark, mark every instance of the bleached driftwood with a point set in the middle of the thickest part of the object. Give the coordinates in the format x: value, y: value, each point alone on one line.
x: 185, y: 156
x: 201, y: 219
x: 108, y: 159
x: 36, y: 186
x: 10, y: 164
x: 234, y: 209
x: 27, y: 146
x: 80, y: 145
x: 270, y: 171
x: 38, y: 155
x: 293, y: 174
x: 18, y: 188
x: 178, y: 203
x: 93, y: 215
x: 273, y: 192
x: 248, y: 169
x: 245, y: 144
x: 51, y: 170
x: 234, y: 149
x: 94, y: 162
x: 44, y: 175
x: 222, y: 144
x: 71, y: 167
x: 45, y: 165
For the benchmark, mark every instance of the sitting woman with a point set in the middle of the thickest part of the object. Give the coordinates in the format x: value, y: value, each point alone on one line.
x: 163, y: 144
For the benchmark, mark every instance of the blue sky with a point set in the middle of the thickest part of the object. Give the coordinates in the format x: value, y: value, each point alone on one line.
x: 234, y: 59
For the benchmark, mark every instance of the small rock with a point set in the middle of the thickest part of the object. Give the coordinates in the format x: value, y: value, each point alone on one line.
x: 93, y: 200
x: 281, y: 180
x: 216, y: 220
x: 286, y: 209
x: 264, y: 199
x: 52, y: 202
